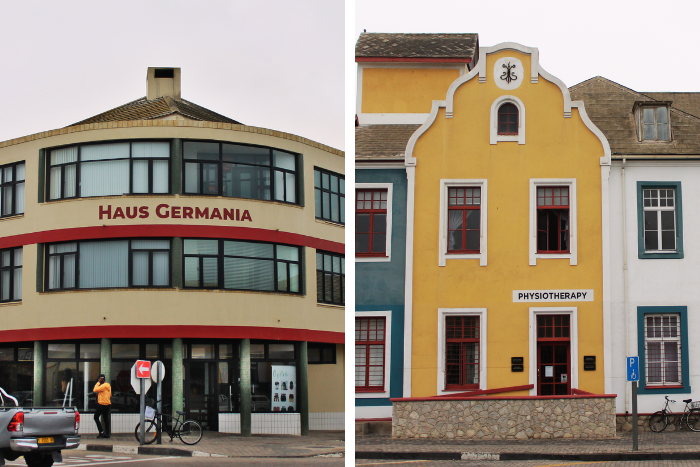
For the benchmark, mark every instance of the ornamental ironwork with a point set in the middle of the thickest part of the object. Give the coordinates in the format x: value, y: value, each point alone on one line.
x: 508, y: 75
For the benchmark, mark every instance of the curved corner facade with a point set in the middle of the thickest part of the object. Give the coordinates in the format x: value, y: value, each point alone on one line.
x: 213, y: 247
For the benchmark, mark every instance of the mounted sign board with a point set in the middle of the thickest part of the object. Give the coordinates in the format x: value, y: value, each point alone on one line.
x: 632, y: 368
x: 284, y: 388
x: 157, y: 371
x: 575, y: 295
x: 517, y: 368
x: 143, y: 369
x: 517, y: 360
x: 136, y: 382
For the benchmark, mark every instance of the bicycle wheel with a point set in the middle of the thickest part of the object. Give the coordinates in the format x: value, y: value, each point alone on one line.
x: 190, y: 432
x: 658, y: 422
x: 150, y: 432
x: 693, y: 419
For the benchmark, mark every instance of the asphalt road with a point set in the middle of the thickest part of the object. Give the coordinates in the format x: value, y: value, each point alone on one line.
x: 411, y: 463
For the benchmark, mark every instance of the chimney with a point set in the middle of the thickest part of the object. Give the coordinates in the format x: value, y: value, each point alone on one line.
x: 163, y: 82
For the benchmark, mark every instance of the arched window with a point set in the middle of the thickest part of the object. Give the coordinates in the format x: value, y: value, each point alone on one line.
x: 508, y: 119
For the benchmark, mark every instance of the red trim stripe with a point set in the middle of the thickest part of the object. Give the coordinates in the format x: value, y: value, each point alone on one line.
x: 170, y: 332
x: 498, y: 398
x: 171, y: 230
x: 412, y: 60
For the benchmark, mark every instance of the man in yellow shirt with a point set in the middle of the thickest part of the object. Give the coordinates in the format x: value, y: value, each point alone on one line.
x: 104, y: 402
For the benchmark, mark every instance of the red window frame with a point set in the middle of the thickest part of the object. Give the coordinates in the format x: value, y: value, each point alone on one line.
x: 365, y: 329
x: 553, y: 330
x: 508, y: 120
x: 371, y: 207
x: 456, y: 328
x: 549, y: 193
x: 463, y: 204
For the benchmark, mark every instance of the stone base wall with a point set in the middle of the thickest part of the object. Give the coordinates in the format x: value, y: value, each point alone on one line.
x: 624, y: 423
x: 522, y: 418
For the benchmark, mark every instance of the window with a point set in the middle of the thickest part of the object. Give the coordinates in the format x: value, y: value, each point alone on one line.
x: 371, y: 222
x: 239, y: 171
x: 508, y: 119
x: 321, y: 353
x: 108, y: 264
x: 461, y: 352
x: 12, y: 189
x: 552, y: 219
x: 663, y: 349
x: 654, y: 123
x: 11, y: 275
x: 463, y: 220
x: 660, y: 220
x: 111, y: 169
x: 330, y: 278
x: 234, y: 265
x: 369, y: 354
x: 329, y: 191
x: 71, y: 371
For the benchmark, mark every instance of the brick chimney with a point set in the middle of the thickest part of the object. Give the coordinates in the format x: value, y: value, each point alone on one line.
x: 163, y: 82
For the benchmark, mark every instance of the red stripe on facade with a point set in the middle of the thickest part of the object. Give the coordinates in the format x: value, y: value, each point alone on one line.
x: 412, y: 60
x: 171, y: 230
x: 498, y: 398
x: 171, y: 332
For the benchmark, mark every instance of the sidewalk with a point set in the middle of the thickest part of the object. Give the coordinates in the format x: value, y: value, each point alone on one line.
x: 682, y: 445
x: 215, y: 444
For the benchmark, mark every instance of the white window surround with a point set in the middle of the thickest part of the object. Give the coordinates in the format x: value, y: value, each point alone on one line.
x: 443, y: 313
x: 495, y: 137
x: 445, y: 185
x: 573, y: 244
x: 573, y: 348
x: 387, y: 353
x: 389, y: 189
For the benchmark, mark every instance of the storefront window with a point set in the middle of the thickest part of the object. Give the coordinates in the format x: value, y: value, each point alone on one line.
x: 89, y: 350
x: 71, y: 372
x: 262, y: 391
x: 17, y: 374
x: 202, y: 351
x: 124, y: 356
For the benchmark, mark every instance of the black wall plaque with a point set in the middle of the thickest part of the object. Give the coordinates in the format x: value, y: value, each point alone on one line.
x: 589, y: 359
x: 516, y: 368
x: 516, y: 360
x: 589, y: 367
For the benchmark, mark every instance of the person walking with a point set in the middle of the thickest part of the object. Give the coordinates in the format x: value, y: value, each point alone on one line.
x: 104, y: 403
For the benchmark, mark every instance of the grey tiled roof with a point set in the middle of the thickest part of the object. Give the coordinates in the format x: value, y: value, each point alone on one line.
x: 382, y: 141
x: 610, y: 106
x: 416, y: 45
x: 143, y: 109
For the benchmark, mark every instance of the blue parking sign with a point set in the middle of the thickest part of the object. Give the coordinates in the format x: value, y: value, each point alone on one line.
x: 632, y: 368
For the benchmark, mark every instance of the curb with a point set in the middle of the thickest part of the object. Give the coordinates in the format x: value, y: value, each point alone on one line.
x: 525, y: 456
x: 174, y: 452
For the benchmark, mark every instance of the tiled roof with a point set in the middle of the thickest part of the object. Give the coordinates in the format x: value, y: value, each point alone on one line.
x: 382, y: 141
x: 416, y: 45
x: 610, y: 106
x: 143, y: 109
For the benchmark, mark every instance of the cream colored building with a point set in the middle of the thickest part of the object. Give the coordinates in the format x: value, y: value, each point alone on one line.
x: 161, y: 230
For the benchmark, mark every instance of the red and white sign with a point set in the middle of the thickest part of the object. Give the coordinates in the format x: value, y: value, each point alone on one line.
x: 143, y: 369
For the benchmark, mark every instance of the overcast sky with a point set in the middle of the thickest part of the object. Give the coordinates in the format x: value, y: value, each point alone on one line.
x: 644, y: 45
x: 273, y: 64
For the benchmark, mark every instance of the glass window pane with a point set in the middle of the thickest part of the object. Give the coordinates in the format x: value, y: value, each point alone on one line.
x: 89, y: 350
x: 201, y: 247
x: 17, y: 286
x: 7, y: 200
x: 104, y: 264
x: 191, y: 178
x: 284, y: 160
x: 648, y: 113
x: 282, y: 277
x: 54, y: 272
x: 98, y: 152
x: 70, y: 181
x: 68, y: 271
x: 250, y: 181
x: 279, y: 185
x: 61, y: 351
x: 5, y: 285
x: 125, y: 351
x: 202, y: 351
x: 246, y: 154
x: 64, y: 155
x: 662, y: 130
x: 291, y: 188
x: 159, y: 149
x: 257, y: 350
x: 201, y: 151
x: 294, y: 278
x: 210, y: 272
x: 226, y: 351
x: 55, y: 183
x: 150, y: 244
x: 290, y: 253
x: 19, y: 198
x: 317, y: 179
x: 281, y: 351
x: 661, y: 115
x: 140, y: 268
x: 191, y: 272
x: 105, y: 178
x: 151, y: 351
x: 248, y: 249
x: 161, y: 268
x: 59, y: 377
x: 160, y: 177
x: 140, y: 177
x: 249, y: 274
x: 7, y: 354
x: 210, y: 179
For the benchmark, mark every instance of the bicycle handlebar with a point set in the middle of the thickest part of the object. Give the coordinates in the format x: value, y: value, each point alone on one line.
x: 670, y: 400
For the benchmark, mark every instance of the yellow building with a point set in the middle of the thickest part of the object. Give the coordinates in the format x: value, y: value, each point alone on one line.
x: 505, y: 232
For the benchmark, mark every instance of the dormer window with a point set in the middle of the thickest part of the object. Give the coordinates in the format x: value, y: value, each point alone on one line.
x: 654, y: 122
x: 508, y: 120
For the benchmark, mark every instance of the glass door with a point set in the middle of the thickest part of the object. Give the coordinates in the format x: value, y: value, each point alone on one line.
x: 553, y: 355
x: 201, y: 394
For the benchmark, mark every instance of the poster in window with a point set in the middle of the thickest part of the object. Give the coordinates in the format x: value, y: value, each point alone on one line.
x: 284, y: 388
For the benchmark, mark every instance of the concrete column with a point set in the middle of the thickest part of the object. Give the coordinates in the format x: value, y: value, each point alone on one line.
x: 245, y: 388
x: 303, y: 384
x: 106, y: 359
x: 178, y: 377
x: 39, y: 363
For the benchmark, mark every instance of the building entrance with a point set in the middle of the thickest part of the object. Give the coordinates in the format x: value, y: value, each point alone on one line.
x: 201, y: 394
x: 553, y: 355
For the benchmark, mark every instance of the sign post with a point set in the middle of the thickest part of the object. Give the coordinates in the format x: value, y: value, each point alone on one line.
x: 633, y: 376
x: 157, y: 375
x: 141, y: 371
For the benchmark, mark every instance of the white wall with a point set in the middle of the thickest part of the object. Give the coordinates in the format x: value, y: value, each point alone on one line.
x: 653, y: 282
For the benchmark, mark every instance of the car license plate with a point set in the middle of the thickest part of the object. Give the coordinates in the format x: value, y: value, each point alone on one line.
x: 45, y: 440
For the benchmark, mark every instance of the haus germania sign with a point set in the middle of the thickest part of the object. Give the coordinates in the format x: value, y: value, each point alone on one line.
x: 165, y: 211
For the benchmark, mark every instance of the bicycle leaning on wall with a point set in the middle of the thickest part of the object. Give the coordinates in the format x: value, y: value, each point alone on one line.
x: 189, y: 431
x: 659, y: 421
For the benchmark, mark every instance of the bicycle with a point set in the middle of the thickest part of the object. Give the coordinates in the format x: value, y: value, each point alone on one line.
x: 189, y: 431
x: 659, y: 421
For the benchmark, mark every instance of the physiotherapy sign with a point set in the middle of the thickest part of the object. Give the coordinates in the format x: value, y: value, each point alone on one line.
x: 569, y: 295
x: 165, y: 211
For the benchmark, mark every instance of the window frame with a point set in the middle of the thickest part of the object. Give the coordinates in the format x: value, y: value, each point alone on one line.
x: 321, y: 346
x: 517, y: 118
x: 553, y: 207
x: 12, y: 268
x: 639, y: 111
x: 378, y: 257
x: 442, y: 315
x: 220, y: 265
x: 13, y: 184
x: 385, y: 391
x: 534, y: 313
x: 323, y: 274
x: 495, y: 137
x: 641, y: 250
x: 78, y: 163
x: 130, y: 273
x: 341, y: 197
x: 682, y: 311
x: 572, y: 255
x: 445, y: 185
x: 220, y: 171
